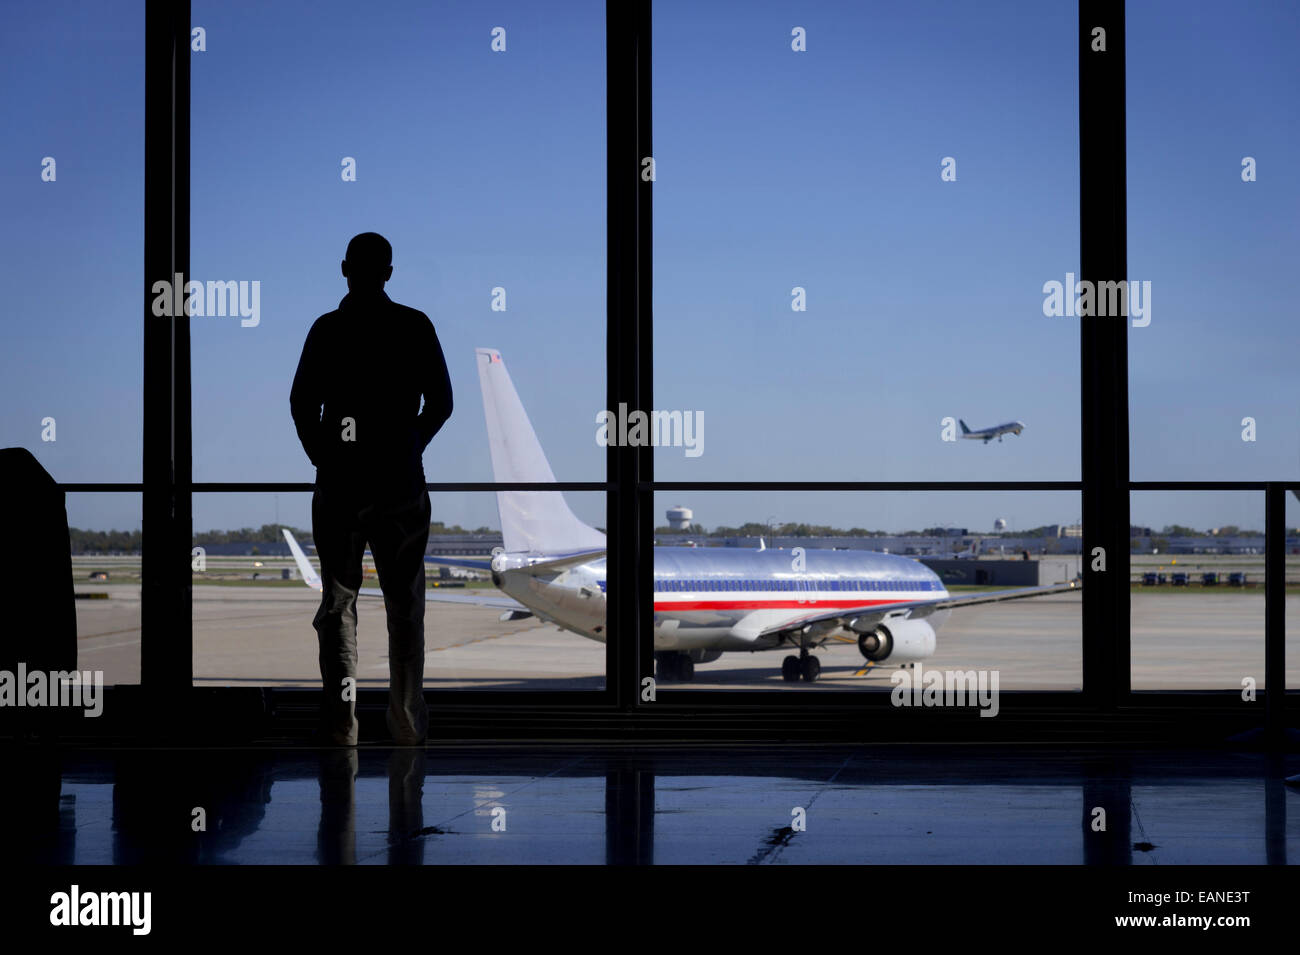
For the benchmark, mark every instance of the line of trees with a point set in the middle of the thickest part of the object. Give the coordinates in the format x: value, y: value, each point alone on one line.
x: 83, y: 541
x: 128, y: 542
x: 103, y: 542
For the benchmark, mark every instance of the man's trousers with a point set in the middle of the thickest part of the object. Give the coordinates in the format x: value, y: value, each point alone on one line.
x: 397, y: 529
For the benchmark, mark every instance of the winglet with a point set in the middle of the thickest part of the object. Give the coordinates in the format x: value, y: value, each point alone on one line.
x: 309, y: 576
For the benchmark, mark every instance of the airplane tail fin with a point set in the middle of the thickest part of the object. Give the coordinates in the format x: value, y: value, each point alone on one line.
x: 531, y: 521
x: 964, y: 429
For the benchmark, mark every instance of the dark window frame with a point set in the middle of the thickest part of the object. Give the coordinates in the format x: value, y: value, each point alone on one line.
x: 1106, y: 708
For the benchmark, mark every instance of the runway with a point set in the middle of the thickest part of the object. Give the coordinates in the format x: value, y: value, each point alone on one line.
x: 259, y: 635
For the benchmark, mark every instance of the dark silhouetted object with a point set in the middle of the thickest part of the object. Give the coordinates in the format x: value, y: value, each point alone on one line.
x: 37, y: 561
x: 356, y: 406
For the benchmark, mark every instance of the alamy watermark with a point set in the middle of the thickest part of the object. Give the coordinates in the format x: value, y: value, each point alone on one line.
x: 655, y: 429
x: 1104, y: 299
x: 209, y: 299
x: 75, y: 907
x: 920, y: 687
x: 63, y: 688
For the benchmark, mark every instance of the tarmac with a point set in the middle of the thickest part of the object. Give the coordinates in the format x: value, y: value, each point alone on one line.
x: 263, y: 636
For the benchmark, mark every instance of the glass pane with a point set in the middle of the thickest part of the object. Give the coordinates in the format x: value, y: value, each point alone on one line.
x: 483, y: 169
x: 71, y: 249
x: 255, y: 603
x: 852, y: 241
x: 1197, y: 610
x: 879, y: 577
x: 72, y: 236
x: 1212, y: 225
x: 105, y: 543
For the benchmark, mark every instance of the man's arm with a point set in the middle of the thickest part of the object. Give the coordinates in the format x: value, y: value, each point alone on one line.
x: 305, y: 397
x: 436, y: 387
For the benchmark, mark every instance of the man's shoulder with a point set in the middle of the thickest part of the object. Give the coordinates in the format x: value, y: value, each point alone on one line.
x: 408, y: 314
x: 413, y: 323
x: 325, y: 321
x: 403, y: 316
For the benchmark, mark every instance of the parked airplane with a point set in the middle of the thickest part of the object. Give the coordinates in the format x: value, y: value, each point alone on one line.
x: 988, y: 434
x: 707, y: 600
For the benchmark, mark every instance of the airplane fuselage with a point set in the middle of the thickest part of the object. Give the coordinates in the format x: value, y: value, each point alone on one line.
x: 723, y: 599
x: 988, y: 434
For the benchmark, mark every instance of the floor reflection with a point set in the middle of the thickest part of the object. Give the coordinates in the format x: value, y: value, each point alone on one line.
x: 758, y: 805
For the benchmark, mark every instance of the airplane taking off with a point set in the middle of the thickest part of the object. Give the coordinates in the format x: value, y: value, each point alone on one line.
x: 707, y: 600
x: 988, y: 434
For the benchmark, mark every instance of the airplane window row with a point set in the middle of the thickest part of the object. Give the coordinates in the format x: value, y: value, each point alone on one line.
x: 851, y: 586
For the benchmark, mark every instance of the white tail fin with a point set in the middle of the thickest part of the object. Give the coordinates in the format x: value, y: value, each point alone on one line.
x: 537, y: 522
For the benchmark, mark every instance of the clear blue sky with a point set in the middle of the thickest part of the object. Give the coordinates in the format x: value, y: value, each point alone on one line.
x: 775, y: 169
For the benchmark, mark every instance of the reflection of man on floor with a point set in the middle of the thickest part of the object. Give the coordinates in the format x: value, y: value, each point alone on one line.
x: 356, y: 406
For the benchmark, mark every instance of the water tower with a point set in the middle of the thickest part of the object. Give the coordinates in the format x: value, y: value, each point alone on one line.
x: 680, y: 518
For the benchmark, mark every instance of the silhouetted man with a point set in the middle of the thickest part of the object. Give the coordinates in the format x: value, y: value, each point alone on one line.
x: 366, y: 365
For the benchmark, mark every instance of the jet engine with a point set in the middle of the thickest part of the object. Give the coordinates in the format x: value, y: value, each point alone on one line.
x: 898, y: 641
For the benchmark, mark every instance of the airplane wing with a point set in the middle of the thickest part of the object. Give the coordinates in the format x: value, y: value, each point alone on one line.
x: 869, y: 616
x: 469, y: 598
x: 469, y: 562
x: 309, y: 575
x: 312, y: 580
x: 995, y: 596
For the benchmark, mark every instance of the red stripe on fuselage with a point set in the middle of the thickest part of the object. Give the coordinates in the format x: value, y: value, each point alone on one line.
x: 769, y: 604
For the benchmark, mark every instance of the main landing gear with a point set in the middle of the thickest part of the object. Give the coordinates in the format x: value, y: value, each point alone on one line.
x: 673, y: 667
x: 804, y: 667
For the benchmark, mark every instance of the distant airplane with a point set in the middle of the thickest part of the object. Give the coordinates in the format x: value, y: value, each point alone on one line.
x: 988, y: 434
x: 707, y: 600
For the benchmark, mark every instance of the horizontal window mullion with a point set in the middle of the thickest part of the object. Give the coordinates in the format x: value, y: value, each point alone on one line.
x: 218, y: 487
x: 1205, y: 485
x: 650, y: 486
x: 102, y: 486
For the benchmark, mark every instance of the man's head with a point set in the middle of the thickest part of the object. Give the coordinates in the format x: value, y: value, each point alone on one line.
x: 368, y: 263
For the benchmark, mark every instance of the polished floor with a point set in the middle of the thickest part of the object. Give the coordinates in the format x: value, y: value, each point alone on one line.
x: 586, y: 805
